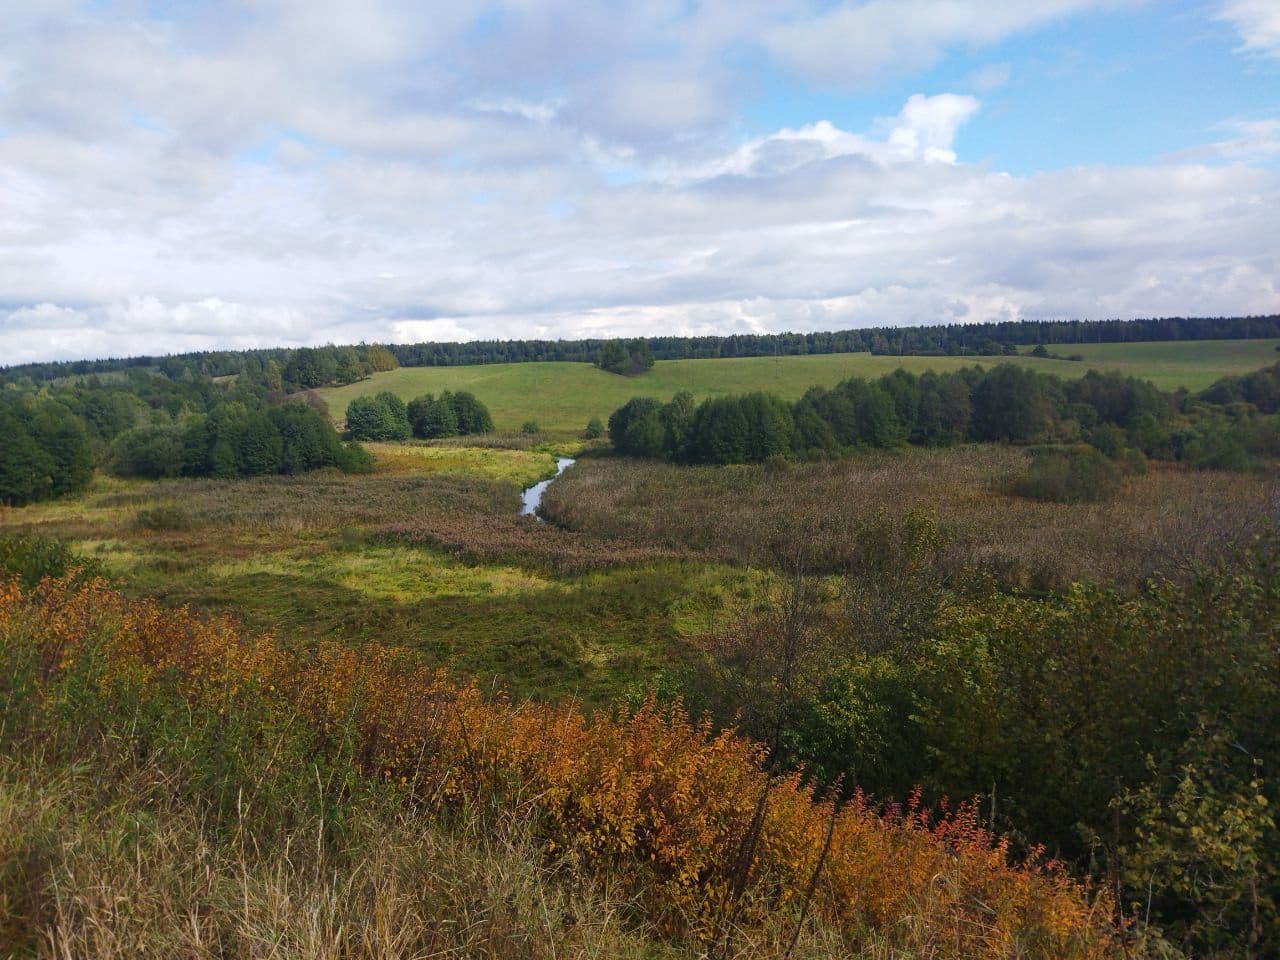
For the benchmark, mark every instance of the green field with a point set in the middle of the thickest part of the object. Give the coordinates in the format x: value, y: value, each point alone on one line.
x: 562, y: 397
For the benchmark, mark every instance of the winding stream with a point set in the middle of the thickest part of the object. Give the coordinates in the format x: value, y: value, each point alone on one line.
x: 532, y: 497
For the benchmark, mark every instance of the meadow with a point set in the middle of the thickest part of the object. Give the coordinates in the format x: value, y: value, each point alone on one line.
x: 562, y: 397
x: 436, y: 561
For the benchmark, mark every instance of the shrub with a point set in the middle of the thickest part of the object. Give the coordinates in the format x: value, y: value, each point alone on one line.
x: 168, y: 516
x: 30, y: 559
x: 530, y: 427
x: 595, y: 429
x: 1079, y: 474
x: 649, y: 789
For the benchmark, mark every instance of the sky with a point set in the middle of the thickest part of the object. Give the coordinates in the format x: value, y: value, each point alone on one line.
x: 196, y: 175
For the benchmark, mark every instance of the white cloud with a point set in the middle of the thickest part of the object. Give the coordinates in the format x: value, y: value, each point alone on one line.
x: 851, y: 44
x: 927, y: 126
x: 923, y: 131
x: 247, y: 175
x: 1254, y: 140
x: 1257, y: 22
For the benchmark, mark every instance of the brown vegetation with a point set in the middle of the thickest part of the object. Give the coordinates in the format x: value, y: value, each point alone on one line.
x: 1163, y: 520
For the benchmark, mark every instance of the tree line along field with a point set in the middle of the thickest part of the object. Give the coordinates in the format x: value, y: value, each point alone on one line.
x: 561, y: 397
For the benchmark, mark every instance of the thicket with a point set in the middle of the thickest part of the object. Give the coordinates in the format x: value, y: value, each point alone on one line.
x: 44, y: 450
x: 452, y: 414
x: 1134, y: 734
x: 711, y: 845
x: 236, y: 439
x: 387, y: 417
x: 381, y: 417
x: 1232, y: 425
x: 627, y: 358
x: 1076, y: 474
x: 150, y: 425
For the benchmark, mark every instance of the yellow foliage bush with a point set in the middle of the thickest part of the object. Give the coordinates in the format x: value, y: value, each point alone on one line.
x: 650, y: 787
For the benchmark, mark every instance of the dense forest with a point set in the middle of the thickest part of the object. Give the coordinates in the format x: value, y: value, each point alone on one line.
x: 1229, y: 426
x: 149, y: 425
x: 309, y: 367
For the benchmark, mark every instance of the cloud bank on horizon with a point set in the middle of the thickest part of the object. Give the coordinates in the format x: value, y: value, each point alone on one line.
x: 199, y: 175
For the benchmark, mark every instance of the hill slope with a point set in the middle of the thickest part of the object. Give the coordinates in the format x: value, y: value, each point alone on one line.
x: 563, y: 396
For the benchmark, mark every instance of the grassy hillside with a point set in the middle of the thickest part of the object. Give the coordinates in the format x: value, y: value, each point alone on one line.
x: 562, y: 397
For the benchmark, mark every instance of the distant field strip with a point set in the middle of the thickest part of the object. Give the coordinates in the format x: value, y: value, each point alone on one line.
x: 562, y: 397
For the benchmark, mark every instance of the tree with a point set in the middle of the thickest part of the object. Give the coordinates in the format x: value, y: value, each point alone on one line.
x: 677, y: 424
x: 1010, y: 404
x: 308, y: 440
x: 430, y: 418
x: 769, y: 426
x: 153, y: 451
x: 26, y: 470
x: 62, y: 436
x: 721, y: 432
x: 636, y: 428
x: 472, y: 415
x: 258, y: 445
x: 382, y: 417
x: 595, y: 429
x: 627, y: 359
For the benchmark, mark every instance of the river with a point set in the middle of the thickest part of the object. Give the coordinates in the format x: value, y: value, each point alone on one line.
x: 532, y: 497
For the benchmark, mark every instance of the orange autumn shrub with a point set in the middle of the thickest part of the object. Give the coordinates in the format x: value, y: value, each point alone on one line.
x: 649, y: 789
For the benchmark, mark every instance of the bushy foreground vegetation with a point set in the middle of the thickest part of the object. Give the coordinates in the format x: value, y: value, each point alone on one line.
x: 1229, y: 426
x: 1133, y: 733
x: 710, y: 845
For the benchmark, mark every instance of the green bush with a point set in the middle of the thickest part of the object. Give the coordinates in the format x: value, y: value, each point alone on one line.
x: 530, y: 427
x: 167, y: 516
x: 595, y: 429
x: 1079, y: 474
x: 31, y: 559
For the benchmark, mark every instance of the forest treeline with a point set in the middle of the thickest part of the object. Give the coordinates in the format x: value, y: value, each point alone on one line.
x: 278, y: 368
x: 309, y: 367
x: 1228, y: 426
x: 147, y: 424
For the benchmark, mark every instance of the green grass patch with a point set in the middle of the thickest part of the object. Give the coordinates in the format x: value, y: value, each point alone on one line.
x: 1171, y: 364
x: 522, y: 467
x: 562, y: 397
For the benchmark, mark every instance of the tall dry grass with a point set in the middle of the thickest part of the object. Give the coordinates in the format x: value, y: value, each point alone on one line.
x: 103, y: 862
x: 1165, y: 520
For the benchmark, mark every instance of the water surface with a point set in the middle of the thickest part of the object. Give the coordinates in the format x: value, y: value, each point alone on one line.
x: 532, y: 497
